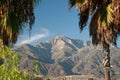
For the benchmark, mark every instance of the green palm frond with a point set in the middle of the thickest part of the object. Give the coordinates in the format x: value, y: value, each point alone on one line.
x: 77, y: 3
x: 109, y: 14
x: 14, y: 22
x: 10, y: 23
x: 106, y: 15
x: 14, y: 16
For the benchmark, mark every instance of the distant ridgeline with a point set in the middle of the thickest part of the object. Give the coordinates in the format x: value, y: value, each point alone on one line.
x: 64, y: 56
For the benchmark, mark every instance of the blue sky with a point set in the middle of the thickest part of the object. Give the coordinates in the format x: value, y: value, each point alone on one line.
x: 52, y: 19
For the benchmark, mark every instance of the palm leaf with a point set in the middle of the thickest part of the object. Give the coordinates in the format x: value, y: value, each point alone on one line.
x: 94, y: 30
x: 77, y: 3
x: 94, y: 23
x: 14, y: 17
x: 109, y: 14
x: 92, y: 4
x: 116, y: 11
x: 14, y: 24
x: 83, y: 19
x: 106, y: 17
x: 71, y: 3
x: 105, y: 22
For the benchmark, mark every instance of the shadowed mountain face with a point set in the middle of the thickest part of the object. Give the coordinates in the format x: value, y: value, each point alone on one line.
x: 65, y: 56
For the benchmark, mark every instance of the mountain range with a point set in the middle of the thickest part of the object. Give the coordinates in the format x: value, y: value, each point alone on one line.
x: 65, y: 56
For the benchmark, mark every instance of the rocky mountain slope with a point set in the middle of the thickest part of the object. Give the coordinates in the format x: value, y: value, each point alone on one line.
x: 65, y: 56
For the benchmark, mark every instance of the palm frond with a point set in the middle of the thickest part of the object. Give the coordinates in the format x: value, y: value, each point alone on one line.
x: 116, y: 11
x: 71, y: 3
x: 14, y: 16
x: 83, y: 8
x: 14, y: 22
x: 83, y: 18
x: 94, y: 23
x: 95, y: 30
x: 105, y: 22
x: 92, y: 4
x: 109, y: 14
x: 77, y: 3
x: 106, y: 15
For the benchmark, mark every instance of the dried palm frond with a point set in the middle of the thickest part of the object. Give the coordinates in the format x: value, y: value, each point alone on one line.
x: 13, y: 15
x: 92, y: 4
x: 82, y: 7
x: 83, y: 18
x: 116, y: 11
x: 94, y: 23
x: 105, y: 22
x: 78, y: 4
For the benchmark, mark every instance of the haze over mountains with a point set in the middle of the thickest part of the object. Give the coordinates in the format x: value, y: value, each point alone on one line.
x: 64, y: 56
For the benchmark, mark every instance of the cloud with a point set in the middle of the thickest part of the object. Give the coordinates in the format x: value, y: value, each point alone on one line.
x: 34, y: 37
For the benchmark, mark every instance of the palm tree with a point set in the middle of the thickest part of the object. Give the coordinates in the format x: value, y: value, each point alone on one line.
x: 104, y: 25
x: 13, y: 15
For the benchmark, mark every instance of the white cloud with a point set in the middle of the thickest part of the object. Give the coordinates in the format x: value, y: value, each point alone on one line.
x: 35, y: 37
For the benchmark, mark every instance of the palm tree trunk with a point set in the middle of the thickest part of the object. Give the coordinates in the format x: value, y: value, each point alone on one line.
x: 106, y: 61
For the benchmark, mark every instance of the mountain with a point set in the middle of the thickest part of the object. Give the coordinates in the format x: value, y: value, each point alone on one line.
x: 64, y: 56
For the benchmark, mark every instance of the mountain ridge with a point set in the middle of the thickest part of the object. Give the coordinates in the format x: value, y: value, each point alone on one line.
x: 66, y: 56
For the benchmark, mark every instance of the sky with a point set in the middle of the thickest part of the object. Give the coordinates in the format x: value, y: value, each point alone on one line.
x: 52, y: 18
